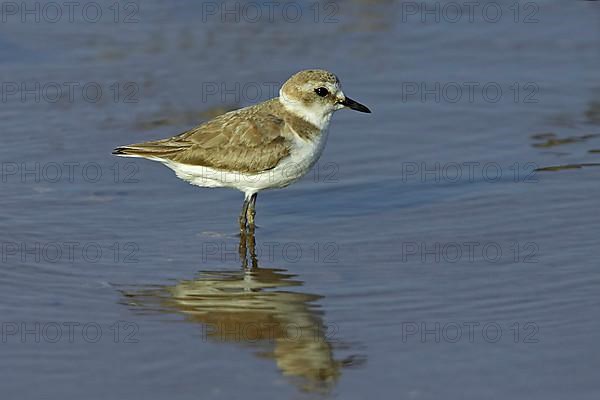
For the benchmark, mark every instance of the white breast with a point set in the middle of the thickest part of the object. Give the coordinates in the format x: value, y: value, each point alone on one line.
x: 304, y: 154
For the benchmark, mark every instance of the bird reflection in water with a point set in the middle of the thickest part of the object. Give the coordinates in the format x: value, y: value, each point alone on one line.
x: 248, y: 307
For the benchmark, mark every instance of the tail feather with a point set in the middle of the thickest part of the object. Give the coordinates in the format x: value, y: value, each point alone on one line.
x: 158, y: 149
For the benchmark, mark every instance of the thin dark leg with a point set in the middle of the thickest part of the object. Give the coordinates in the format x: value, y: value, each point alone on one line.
x: 247, y: 245
x: 252, y: 212
x: 243, y: 219
x: 252, y: 248
x: 247, y: 237
x: 242, y: 249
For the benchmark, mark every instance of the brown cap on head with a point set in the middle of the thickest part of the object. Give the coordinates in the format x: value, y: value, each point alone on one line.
x: 312, y: 75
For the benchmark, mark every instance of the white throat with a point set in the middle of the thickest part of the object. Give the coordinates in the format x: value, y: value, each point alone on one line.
x: 317, y: 116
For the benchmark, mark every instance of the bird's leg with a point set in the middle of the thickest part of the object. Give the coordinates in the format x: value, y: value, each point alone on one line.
x: 243, y: 219
x: 251, y: 213
x: 252, y: 248
x: 247, y: 241
x: 242, y: 249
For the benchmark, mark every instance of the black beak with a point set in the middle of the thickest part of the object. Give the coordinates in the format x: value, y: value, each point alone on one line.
x: 348, y: 102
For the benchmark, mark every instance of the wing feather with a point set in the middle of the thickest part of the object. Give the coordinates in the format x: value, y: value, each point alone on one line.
x: 249, y: 140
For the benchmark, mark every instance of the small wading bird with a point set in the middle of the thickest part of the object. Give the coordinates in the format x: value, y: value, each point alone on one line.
x: 268, y: 145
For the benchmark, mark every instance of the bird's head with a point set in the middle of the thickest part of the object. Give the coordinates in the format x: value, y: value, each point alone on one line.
x: 314, y: 94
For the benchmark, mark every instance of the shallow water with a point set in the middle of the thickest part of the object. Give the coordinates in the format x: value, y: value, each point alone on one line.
x: 442, y: 247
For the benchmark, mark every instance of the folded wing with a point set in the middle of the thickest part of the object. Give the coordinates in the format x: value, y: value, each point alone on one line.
x: 245, y: 140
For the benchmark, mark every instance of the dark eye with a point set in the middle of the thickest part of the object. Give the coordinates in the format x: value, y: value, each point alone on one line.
x: 322, y: 91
